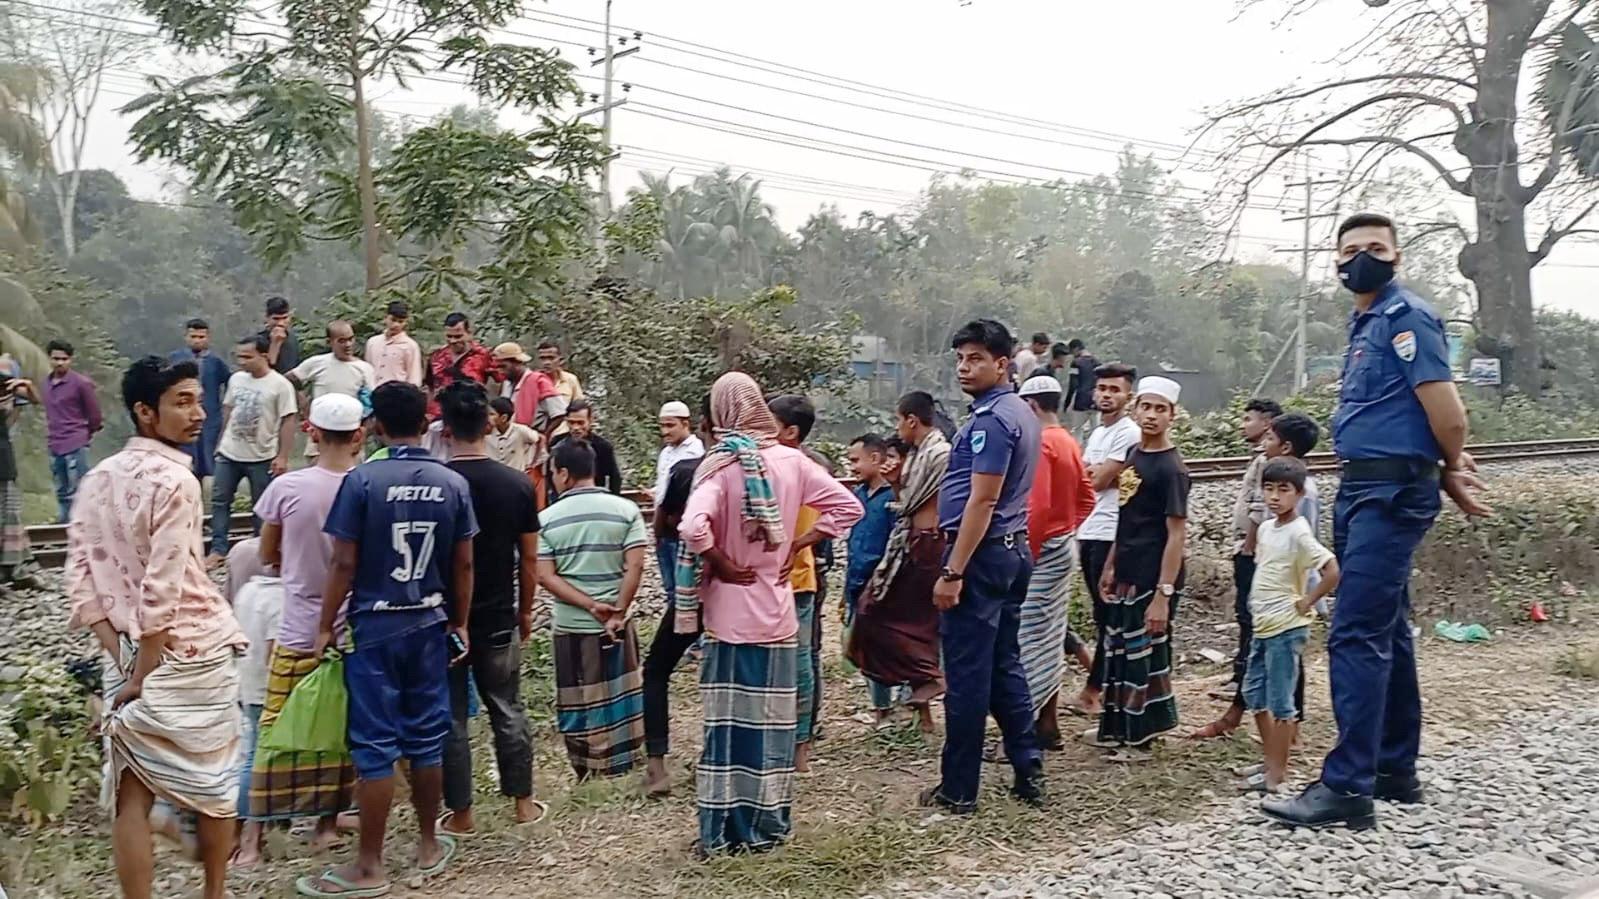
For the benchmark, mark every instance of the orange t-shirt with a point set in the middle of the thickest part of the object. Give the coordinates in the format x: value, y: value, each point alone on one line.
x: 1063, y: 494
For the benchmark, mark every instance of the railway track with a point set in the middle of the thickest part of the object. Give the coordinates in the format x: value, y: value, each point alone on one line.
x: 49, y: 541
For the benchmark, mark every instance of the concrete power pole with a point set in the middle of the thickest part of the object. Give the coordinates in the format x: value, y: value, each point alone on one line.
x: 608, y: 59
x: 1305, y: 249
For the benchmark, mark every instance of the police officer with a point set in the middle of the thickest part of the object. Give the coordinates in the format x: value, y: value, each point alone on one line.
x: 1400, y: 435
x: 982, y: 510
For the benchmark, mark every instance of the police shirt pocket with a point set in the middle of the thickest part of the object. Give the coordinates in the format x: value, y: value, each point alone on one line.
x: 1365, y: 372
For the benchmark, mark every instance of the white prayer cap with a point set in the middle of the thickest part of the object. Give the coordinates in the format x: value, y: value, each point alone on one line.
x: 675, y: 409
x: 1165, y: 388
x: 1040, y: 384
x: 336, y: 412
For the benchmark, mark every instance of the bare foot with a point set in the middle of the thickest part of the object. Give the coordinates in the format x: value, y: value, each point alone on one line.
x: 530, y: 810
x: 244, y: 858
x: 325, y: 838
x: 924, y: 718
x: 657, y: 782
x: 348, y: 822
x: 802, y: 758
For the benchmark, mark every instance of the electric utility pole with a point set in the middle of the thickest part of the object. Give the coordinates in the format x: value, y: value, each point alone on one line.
x: 608, y: 58
x: 1305, y: 249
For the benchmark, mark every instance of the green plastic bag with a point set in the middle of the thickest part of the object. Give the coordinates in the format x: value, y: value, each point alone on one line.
x: 1461, y: 632
x: 315, y: 715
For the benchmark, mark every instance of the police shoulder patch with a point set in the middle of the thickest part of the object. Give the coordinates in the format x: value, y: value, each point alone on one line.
x: 979, y: 440
x: 1405, y: 345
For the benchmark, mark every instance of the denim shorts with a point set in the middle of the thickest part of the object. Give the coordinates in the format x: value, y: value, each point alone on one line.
x: 1273, y: 672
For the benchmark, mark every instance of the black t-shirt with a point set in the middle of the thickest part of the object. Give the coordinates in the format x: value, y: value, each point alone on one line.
x: 1083, y: 379
x: 607, y: 474
x: 502, y: 497
x: 1152, y: 488
x: 679, y: 483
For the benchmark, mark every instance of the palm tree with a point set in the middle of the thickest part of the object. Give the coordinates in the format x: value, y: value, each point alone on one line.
x: 22, y: 146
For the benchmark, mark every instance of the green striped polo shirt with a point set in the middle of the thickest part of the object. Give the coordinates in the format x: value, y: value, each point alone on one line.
x: 586, y: 532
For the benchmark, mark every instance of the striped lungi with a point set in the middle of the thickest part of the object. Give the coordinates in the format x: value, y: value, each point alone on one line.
x: 1042, y: 634
x: 745, y: 780
x: 13, y: 536
x: 181, y: 736
x: 1138, y: 702
x: 599, y: 701
x: 295, y: 784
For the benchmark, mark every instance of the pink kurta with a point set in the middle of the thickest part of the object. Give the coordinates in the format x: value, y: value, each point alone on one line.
x: 134, y: 552
x: 762, y: 612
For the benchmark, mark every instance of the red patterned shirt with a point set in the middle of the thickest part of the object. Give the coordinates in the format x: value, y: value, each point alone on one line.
x: 444, y: 368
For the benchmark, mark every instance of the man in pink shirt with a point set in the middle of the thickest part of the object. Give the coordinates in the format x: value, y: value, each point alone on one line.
x: 393, y: 355
x: 739, y: 520
x: 534, y: 398
x: 135, y: 577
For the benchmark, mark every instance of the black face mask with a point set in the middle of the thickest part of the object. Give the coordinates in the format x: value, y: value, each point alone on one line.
x: 1365, y: 273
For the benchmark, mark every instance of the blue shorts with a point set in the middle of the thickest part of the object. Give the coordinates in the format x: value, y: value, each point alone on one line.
x: 399, y: 700
x: 1273, y: 671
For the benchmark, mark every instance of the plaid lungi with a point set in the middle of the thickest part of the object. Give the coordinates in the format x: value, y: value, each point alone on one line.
x: 295, y: 784
x: 1138, y: 703
x: 1042, y: 634
x: 13, y: 536
x: 744, y: 784
x: 599, y: 701
x: 181, y: 736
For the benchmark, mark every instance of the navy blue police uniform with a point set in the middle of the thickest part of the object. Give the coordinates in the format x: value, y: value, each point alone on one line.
x: 1388, y: 496
x: 982, y: 658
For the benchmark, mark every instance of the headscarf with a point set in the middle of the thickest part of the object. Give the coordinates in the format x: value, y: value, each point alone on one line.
x: 744, y: 427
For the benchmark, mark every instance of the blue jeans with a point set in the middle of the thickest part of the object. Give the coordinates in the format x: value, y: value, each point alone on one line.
x: 229, y: 474
x: 805, y: 673
x: 252, y: 732
x: 666, y: 557
x: 68, y: 469
x: 1371, y: 659
x: 983, y: 667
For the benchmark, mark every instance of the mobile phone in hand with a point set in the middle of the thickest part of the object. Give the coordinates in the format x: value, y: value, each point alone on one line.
x: 457, y: 645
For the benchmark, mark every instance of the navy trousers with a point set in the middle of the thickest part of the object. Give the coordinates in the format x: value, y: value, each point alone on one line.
x: 983, y: 667
x: 1371, y: 657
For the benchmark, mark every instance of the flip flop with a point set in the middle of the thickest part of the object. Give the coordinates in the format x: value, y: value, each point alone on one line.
x: 1256, y: 783
x: 448, y: 844
x: 1249, y: 770
x: 543, y: 810
x: 307, y: 886
x: 1211, y: 731
x: 444, y: 819
x: 1077, y: 709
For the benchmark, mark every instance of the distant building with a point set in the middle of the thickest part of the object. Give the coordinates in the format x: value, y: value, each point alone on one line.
x: 879, y: 372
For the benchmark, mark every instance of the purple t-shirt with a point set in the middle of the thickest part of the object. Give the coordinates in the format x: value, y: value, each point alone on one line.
x: 299, y: 502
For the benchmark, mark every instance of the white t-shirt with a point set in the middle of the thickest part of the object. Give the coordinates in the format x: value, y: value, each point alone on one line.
x: 1026, y: 363
x: 258, y: 405
x: 1285, y: 555
x: 690, y: 448
x: 1113, y: 443
x: 259, y: 608
x: 323, y: 374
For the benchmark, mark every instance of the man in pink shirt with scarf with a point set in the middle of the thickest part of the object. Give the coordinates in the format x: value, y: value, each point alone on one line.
x: 738, y: 544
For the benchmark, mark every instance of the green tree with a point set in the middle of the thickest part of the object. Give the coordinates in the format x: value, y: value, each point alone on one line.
x: 269, y: 132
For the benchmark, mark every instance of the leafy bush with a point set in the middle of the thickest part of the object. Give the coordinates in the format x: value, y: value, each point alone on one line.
x: 1216, y: 433
x: 46, y: 756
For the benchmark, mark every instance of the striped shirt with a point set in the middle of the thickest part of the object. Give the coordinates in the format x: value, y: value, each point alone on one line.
x: 586, y: 533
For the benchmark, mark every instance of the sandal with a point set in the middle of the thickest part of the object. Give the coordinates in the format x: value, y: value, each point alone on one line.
x: 446, y: 843
x: 307, y: 886
x: 1249, y: 770
x: 1256, y: 783
x: 442, y: 825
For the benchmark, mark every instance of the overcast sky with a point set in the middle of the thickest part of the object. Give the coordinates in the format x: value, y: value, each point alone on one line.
x: 1090, y: 78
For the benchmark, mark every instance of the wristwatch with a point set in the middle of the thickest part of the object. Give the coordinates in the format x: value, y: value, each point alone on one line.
x: 1166, y: 590
x: 950, y: 575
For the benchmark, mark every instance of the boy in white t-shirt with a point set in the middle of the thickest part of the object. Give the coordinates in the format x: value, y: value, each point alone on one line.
x: 258, y: 605
x: 1286, y: 552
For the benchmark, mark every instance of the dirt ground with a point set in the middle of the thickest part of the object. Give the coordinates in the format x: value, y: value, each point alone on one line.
x: 857, y: 828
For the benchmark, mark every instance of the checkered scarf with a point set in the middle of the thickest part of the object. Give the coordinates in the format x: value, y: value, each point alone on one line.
x: 746, y: 426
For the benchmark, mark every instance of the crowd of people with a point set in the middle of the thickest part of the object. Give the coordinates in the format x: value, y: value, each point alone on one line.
x: 416, y: 565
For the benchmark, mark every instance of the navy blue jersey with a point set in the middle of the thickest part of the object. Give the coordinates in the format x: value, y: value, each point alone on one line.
x: 405, y: 513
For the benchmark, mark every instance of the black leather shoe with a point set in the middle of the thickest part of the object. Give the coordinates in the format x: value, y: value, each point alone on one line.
x: 933, y: 797
x: 1030, y: 788
x: 1402, y: 788
x: 1319, y: 807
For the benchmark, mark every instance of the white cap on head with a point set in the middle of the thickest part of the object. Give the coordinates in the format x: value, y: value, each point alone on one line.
x: 1165, y: 388
x: 1040, y: 384
x: 674, y: 409
x: 336, y: 412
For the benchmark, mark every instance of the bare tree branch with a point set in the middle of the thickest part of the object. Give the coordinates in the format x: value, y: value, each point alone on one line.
x: 1409, y: 146
x: 1555, y: 235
